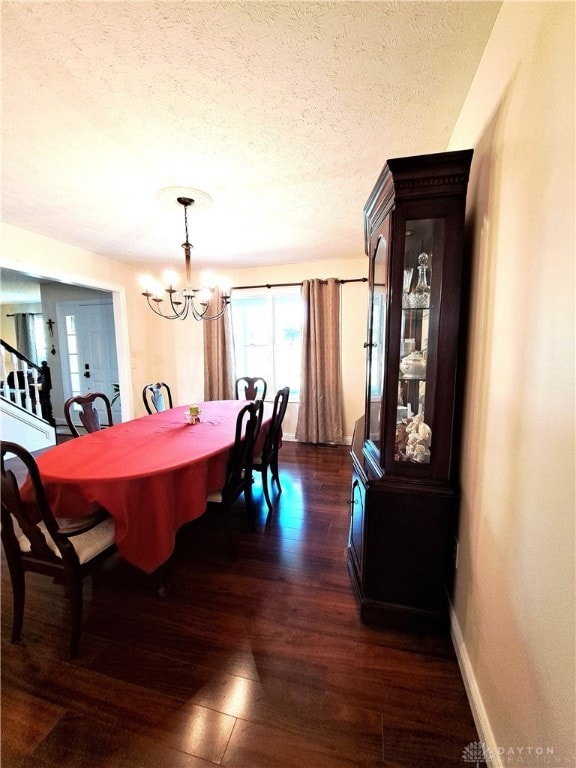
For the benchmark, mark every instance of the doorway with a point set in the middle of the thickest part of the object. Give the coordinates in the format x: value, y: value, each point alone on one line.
x: 51, y: 286
x: 88, y: 350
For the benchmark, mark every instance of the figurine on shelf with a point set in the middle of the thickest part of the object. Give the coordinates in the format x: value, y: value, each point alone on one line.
x: 419, y: 438
x: 400, y: 444
x: 413, y: 366
x: 421, y: 454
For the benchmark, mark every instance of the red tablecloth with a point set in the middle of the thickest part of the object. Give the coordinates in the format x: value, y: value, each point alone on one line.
x: 152, y: 475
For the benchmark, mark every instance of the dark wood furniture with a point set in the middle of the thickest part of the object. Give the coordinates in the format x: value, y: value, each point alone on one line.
x: 34, y: 540
x: 85, y: 408
x: 239, y: 468
x: 404, y: 452
x: 251, y: 388
x: 268, y: 458
x: 157, y: 397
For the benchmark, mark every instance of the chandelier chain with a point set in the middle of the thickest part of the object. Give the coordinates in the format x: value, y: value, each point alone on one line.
x: 186, y: 223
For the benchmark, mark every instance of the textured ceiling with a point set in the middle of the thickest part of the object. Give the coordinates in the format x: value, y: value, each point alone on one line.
x: 283, y: 112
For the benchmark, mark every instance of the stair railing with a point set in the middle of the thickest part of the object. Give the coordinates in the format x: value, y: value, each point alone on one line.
x: 25, y: 383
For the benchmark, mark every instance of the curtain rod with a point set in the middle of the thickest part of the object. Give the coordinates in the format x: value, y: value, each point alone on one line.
x: 287, y: 285
x: 13, y: 314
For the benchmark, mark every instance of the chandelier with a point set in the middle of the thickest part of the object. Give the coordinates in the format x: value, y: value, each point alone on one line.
x: 188, y: 300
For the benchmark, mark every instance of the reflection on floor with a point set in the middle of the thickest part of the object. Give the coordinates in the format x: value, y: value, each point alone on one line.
x: 260, y: 662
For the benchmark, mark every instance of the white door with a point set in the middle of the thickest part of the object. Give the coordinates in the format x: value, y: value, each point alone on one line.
x: 88, y: 350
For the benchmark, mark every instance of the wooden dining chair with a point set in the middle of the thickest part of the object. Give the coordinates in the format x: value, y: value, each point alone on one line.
x: 34, y: 540
x: 84, y: 408
x: 239, y: 468
x: 156, y: 396
x: 251, y: 388
x: 268, y: 458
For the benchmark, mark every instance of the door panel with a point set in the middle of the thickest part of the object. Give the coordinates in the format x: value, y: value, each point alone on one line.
x: 88, y: 349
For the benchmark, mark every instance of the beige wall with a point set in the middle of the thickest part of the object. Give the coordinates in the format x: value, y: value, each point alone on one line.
x: 514, y: 597
x: 150, y: 348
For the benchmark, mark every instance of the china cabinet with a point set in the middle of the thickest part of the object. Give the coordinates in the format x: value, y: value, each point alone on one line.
x: 404, y: 450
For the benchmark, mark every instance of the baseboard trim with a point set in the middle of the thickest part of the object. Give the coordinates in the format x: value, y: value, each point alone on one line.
x: 481, y: 719
x: 290, y: 437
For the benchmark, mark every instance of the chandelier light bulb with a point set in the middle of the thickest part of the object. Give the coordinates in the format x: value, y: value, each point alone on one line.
x: 225, y: 286
x: 205, y: 295
x: 151, y: 287
x: 145, y: 281
x: 171, y: 278
x: 208, y: 280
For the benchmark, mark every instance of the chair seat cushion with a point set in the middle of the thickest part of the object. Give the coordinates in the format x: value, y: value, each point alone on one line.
x: 216, y: 496
x: 87, y: 545
x: 71, y: 525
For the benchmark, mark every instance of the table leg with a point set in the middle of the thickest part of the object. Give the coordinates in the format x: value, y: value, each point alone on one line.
x: 161, y: 582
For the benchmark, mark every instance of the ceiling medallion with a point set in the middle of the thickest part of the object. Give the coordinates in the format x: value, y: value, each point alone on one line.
x: 169, y: 196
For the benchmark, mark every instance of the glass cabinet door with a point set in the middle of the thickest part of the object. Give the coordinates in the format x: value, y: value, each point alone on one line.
x: 414, y: 438
x: 376, y: 343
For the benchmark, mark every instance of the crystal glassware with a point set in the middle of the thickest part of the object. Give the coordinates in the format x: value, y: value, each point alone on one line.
x: 406, y: 287
x: 420, y: 296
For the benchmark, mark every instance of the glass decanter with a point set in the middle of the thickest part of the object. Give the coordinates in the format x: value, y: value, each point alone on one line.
x: 420, y: 296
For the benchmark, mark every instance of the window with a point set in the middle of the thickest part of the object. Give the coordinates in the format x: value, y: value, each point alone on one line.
x: 267, y: 331
x: 73, y: 354
x: 39, y: 338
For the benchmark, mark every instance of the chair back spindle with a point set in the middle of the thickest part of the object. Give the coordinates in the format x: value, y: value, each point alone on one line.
x: 268, y: 459
x: 239, y: 467
x: 85, y: 409
x: 242, y: 454
x: 157, y: 397
x: 251, y: 388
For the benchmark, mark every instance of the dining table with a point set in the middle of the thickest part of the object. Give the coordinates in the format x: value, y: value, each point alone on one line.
x: 152, y: 475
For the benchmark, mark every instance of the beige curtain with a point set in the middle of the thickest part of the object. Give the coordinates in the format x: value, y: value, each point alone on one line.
x: 320, y: 413
x: 25, y: 335
x: 218, y: 354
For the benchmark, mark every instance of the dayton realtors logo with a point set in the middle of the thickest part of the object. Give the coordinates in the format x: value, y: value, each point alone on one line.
x: 479, y: 755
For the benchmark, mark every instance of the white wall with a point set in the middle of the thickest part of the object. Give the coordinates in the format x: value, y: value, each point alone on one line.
x: 152, y: 349
x: 514, y: 597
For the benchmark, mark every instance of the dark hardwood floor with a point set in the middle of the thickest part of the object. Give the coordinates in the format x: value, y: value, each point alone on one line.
x: 260, y: 662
